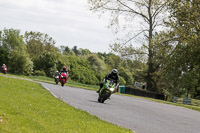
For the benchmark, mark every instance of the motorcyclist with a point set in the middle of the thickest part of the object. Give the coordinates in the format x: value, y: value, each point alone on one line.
x: 114, y: 76
x: 64, y: 71
x: 56, y: 74
x: 4, y: 66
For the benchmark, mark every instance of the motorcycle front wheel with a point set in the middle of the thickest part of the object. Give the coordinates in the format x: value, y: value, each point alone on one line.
x: 63, y: 82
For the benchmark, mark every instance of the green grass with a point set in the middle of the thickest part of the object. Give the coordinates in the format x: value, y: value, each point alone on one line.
x: 27, y: 107
x: 51, y: 80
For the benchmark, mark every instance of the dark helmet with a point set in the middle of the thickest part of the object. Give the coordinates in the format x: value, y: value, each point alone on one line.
x: 64, y: 68
x: 114, y: 72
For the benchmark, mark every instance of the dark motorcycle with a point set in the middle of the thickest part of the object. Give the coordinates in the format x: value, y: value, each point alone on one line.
x: 57, y: 79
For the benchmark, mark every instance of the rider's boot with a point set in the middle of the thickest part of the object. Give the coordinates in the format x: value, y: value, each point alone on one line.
x: 98, y: 90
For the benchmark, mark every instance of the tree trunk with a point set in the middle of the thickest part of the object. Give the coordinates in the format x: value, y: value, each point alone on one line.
x: 150, y: 85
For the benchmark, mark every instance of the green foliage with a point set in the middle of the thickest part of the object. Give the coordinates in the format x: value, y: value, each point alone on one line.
x: 122, y: 81
x: 19, y: 61
x: 39, y: 73
x: 42, y: 51
x: 183, y: 67
x: 85, y: 52
x: 81, y: 70
x: 4, y: 55
x: 96, y: 63
x: 47, y: 62
x: 127, y: 75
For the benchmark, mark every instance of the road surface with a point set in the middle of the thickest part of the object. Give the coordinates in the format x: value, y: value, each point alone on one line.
x: 140, y: 115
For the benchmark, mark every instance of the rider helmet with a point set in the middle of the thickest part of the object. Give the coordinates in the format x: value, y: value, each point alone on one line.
x: 114, y: 71
x: 64, y: 68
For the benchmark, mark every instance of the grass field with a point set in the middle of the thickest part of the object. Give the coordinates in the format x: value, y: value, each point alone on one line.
x: 27, y: 107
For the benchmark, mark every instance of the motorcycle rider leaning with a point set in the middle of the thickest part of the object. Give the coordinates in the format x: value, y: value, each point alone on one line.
x: 114, y: 76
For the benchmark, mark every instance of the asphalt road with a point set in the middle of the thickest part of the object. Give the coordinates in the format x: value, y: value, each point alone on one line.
x: 140, y: 115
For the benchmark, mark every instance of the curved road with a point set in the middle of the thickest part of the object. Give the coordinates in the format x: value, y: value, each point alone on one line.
x: 140, y: 115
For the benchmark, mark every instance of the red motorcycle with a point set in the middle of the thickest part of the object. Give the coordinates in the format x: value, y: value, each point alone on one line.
x: 4, y: 70
x: 63, y: 78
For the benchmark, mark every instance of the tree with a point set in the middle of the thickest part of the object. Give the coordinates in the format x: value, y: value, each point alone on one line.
x: 37, y: 43
x: 76, y: 51
x: 96, y: 63
x: 127, y: 75
x: 40, y: 47
x: 184, y: 26
x: 15, y: 50
x: 47, y: 63
x: 149, y: 10
x: 84, y: 51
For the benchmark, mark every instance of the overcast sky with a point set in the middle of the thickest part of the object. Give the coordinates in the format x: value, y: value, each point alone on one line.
x: 69, y: 22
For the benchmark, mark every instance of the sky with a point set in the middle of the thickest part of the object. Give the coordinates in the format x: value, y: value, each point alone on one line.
x: 68, y: 22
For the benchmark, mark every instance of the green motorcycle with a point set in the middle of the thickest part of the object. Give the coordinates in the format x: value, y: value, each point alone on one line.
x: 106, y: 91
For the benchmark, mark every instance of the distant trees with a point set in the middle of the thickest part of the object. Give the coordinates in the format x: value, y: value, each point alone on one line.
x: 14, y: 52
x: 42, y: 52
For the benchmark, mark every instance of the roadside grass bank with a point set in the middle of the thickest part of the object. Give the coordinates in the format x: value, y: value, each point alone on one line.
x: 70, y: 83
x: 27, y: 107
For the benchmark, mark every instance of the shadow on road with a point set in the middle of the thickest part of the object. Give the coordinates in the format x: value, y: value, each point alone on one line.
x: 98, y: 102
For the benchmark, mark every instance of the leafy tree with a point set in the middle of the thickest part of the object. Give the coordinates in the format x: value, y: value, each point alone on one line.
x: 97, y: 64
x: 65, y: 50
x: 185, y: 32
x: 19, y: 61
x: 149, y: 10
x: 122, y: 81
x: 84, y: 52
x: 37, y: 43
x: 47, y: 62
x: 127, y: 75
x: 76, y: 51
x: 43, y: 52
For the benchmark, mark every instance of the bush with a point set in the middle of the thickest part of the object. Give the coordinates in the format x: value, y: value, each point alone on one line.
x: 39, y: 73
x: 122, y: 81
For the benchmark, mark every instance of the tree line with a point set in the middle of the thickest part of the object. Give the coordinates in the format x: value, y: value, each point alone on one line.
x: 35, y: 53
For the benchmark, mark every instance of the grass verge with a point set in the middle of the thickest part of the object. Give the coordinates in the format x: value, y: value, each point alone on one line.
x: 27, y: 107
x: 51, y: 80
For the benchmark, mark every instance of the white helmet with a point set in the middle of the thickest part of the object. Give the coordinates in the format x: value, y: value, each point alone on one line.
x: 114, y: 71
